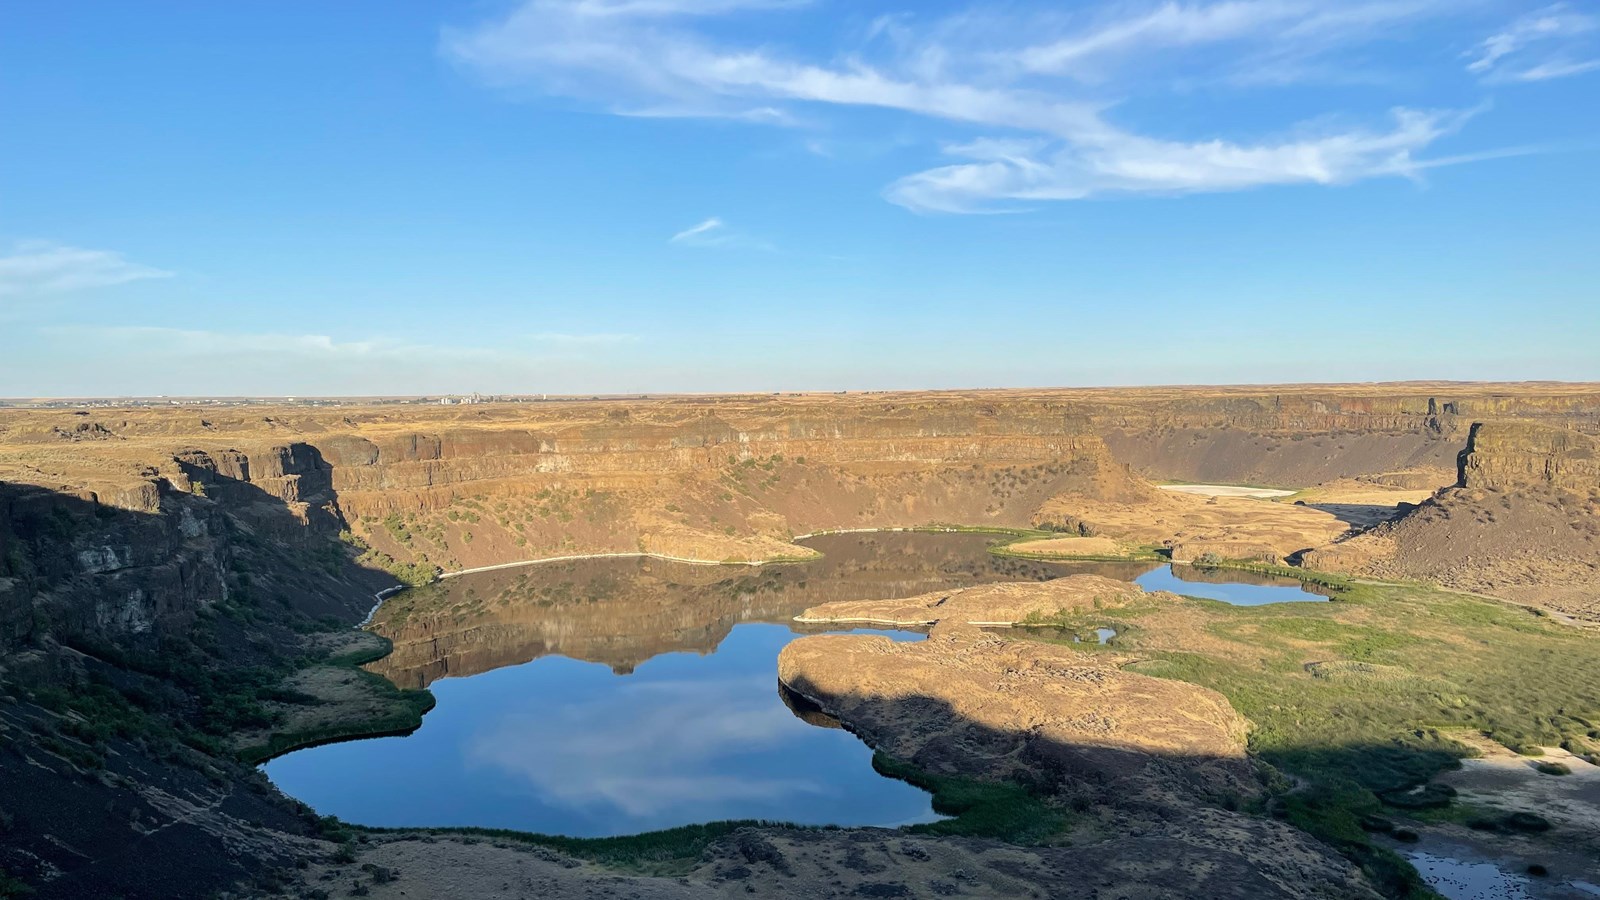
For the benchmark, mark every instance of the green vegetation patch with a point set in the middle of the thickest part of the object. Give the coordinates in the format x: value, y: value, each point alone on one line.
x: 1357, y: 700
x: 1001, y: 810
x: 402, y: 713
x: 674, y: 851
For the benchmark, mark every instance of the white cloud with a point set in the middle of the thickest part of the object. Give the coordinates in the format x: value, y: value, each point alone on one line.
x: 1300, y: 27
x: 42, y: 267
x: 698, y: 232
x: 1555, y: 69
x: 648, y: 749
x: 185, y: 361
x: 1027, y: 172
x: 602, y: 339
x: 1538, y: 46
x: 714, y: 232
x: 1046, y: 80
x: 192, y: 342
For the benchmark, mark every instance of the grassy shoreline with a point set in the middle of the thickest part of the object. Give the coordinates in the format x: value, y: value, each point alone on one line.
x: 402, y: 714
x: 1357, y: 700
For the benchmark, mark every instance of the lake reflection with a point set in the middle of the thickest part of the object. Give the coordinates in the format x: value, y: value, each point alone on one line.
x: 567, y: 747
x: 614, y: 696
x: 621, y: 612
x: 1230, y: 586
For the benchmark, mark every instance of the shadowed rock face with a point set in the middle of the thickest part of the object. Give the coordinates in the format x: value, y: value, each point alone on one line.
x: 102, y: 603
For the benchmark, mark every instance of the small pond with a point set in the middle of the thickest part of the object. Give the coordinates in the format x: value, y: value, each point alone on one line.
x: 1465, y: 879
x: 614, y: 696
x: 1229, y: 585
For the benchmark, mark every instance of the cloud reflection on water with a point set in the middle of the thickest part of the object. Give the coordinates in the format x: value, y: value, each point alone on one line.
x: 648, y: 747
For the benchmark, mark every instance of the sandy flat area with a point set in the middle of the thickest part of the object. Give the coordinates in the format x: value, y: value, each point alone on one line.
x: 1226, y: 490
x: 1070, y: 546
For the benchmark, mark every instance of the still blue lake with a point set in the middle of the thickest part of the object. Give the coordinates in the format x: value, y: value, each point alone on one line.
x: 614, y: 696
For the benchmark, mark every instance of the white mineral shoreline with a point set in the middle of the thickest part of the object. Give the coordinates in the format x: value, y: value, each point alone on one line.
x: 1227, y: 490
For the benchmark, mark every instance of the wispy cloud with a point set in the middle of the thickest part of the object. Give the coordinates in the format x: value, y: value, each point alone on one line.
x: 1553, y: 42
x: 191, y: 343
x: 699, y: 233
x: 186, y: 360
x: 42, y: 267
x: 714, y: 232
x: 1044, y: 79
x: 196, y: 342
x: 583, y: 340
x: 1010, y: 171
x: 1555, y: 69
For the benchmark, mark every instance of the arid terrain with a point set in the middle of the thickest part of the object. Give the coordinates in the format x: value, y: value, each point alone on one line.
x: 178, y: 586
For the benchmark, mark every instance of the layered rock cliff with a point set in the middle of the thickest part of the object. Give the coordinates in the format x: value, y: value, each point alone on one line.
x: 143, y: 623
x: 1509, y: 457
x: 1521, y: 522
x: 182, y: 556
x: 428, y: 487
x: 1316, y: 434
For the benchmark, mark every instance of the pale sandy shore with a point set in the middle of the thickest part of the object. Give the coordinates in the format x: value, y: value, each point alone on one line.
x: 1226, y: 490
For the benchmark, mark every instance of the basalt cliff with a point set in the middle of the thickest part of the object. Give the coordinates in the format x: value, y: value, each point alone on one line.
x: 167, y: 575
x: 1521, y: 522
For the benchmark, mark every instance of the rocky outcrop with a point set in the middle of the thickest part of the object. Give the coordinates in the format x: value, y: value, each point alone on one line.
x: 974, y: 704
x: 971, y: 702
x: 1507, y: 456
x: 1165, y: 759
x: 984, y: 605
x: 1522, y: 523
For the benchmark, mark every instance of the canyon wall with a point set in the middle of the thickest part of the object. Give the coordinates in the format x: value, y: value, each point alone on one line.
x: 1522, y: 522
x: 188, y: 556
x: 1512, y: 456
x: 166, y: 498
x: 1306, y: 438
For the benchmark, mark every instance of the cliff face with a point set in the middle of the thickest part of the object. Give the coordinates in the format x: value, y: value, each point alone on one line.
x: 133, y: 562
x: 1302, y: 439
x: 180, y: 555
x: 137, y: 637
x: 730, y: 479
x: 1522, y: 522
x: 712, y: 478
x: 72, y: 565
x: 1509, y: 457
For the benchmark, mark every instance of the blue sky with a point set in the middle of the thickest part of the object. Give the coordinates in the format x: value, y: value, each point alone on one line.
x: 701, y: 195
